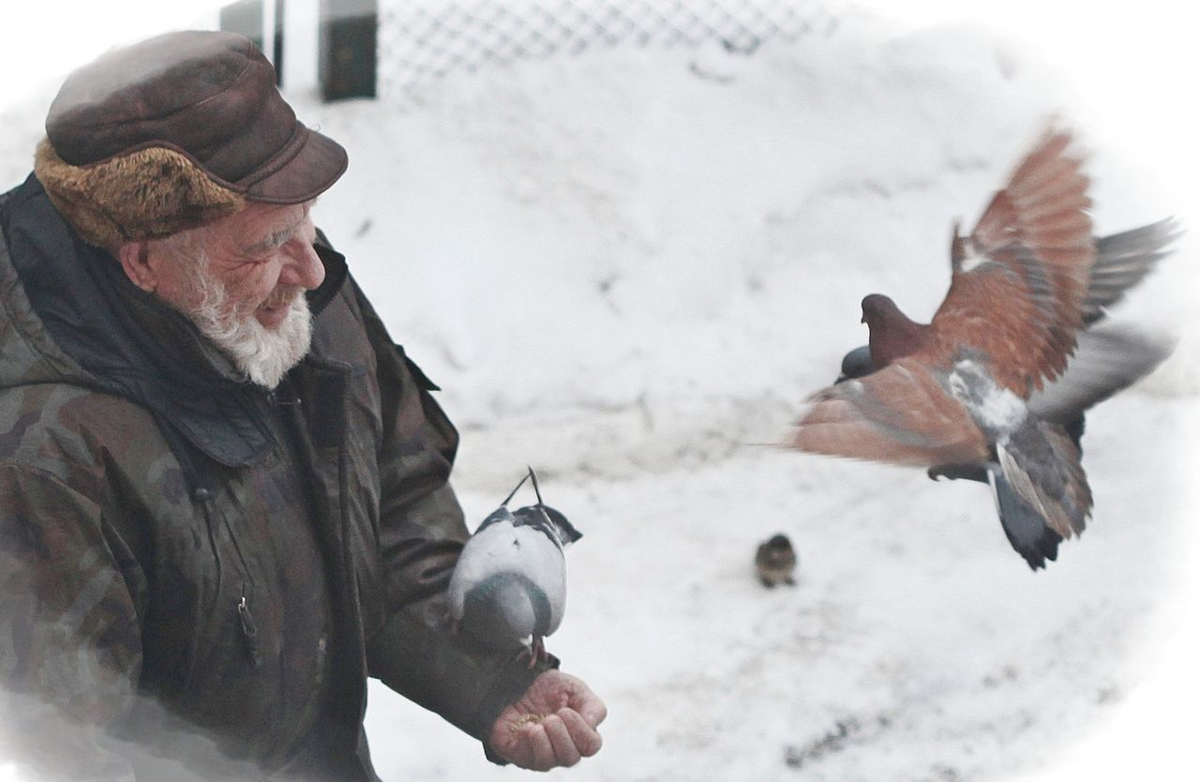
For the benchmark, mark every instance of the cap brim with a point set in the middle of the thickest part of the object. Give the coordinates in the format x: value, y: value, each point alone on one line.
x: 307, y: 167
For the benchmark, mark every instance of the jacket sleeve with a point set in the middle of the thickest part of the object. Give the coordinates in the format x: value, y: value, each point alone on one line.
x: 70, y: 649
x: 421, y: 534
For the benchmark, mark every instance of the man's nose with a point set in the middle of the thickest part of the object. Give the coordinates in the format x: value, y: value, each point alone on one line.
x: 303, y: 266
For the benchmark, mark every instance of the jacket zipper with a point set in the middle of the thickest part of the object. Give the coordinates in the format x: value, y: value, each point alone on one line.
x: 245, y: 618
x: 249, y: 631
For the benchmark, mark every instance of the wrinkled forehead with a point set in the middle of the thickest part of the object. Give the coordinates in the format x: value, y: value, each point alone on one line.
x: 258, y: 222
x: 258, y: 213
x: 256, y: 228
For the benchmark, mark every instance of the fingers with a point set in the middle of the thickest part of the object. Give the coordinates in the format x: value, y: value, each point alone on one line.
x: 563, y: 736
x: 542, y: 749
x: 566, y: 753
x: 591, y: 708
x: 561, y: 739
x: 583, y: 736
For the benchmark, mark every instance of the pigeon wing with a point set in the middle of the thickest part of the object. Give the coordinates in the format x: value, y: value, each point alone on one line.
x: 1122, y: 261
x: 900, y: 415
x: 1019, y: 281
x: 1107, y: 360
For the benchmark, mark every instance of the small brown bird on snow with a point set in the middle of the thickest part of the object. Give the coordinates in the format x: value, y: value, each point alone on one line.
x: 775, y: 561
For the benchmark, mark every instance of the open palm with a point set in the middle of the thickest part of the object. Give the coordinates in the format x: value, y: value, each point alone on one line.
x: 553, y: 724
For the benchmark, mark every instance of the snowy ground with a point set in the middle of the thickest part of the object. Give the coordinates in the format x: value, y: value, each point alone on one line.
x: 627, y: 270
x: 916, y: 646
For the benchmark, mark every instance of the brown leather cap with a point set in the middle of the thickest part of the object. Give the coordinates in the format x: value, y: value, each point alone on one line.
x: 208, y: 95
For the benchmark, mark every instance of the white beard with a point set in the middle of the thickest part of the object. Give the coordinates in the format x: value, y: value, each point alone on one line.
x: 263, y: 355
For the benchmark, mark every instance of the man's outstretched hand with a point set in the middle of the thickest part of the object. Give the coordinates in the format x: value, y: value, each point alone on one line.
x: 553, y: 724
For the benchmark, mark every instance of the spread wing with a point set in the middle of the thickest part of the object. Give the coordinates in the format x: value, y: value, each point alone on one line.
x: 1019, y: 282
x: 900, y: 415
x: 1107, y: 360
x: 1122, y: 260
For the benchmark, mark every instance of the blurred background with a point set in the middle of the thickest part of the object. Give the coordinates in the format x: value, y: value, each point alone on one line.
x: 628, y: 237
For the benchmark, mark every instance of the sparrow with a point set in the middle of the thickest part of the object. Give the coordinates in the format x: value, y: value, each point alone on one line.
x: 973, y: 393
x: 509, y: 589
x: 775, y: 561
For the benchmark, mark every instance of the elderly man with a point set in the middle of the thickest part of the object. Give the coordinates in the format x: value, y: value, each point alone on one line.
x: 223, y: 489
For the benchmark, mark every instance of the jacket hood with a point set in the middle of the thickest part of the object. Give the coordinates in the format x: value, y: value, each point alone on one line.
x: 68, y: 314
x: 27, y: 353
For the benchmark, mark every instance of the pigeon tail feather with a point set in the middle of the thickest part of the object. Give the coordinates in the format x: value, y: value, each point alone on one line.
x: 1040, y: 464
x: 1023, y: 525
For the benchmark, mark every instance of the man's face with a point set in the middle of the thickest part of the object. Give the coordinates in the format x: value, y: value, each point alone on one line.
x: 242, y: 280
x: 262, y: 256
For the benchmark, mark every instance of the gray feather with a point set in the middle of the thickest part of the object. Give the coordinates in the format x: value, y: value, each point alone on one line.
x: 1107, y: 360
x: 1023, y: 525
x: 504, y: 609
x: 856, y: 363
x: 1122, y: 260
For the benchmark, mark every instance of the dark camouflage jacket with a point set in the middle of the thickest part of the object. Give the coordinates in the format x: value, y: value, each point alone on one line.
x: 206, y: 570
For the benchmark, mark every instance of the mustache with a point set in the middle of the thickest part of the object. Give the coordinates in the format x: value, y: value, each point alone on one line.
x: 283, y: 295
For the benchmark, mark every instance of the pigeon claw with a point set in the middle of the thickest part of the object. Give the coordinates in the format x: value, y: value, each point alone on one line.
x: 536, y: 652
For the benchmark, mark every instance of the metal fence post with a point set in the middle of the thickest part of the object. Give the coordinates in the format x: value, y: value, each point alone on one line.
x: 346, y: 54
x: 277, y: 58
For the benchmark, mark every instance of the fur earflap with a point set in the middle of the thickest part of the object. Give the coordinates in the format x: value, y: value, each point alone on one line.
x: 150, y: 193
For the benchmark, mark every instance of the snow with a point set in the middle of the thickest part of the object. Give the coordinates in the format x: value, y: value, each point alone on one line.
x: 628, y: 269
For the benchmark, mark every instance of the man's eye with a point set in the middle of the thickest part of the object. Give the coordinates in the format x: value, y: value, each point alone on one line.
x: 263, y: 252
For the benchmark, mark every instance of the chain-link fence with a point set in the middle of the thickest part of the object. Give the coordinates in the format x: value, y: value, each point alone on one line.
x: 425, y: 40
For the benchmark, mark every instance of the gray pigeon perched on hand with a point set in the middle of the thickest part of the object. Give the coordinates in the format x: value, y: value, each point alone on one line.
x: 509, y: 588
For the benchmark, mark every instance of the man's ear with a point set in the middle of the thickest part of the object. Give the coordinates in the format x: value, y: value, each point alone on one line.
x: 135, y: 260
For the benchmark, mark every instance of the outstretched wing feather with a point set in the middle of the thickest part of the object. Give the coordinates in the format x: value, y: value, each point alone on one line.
x: 1018, y: 289
x: 899, y: 415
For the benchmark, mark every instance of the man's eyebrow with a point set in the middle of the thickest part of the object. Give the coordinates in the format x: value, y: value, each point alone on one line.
x: 275, y: 239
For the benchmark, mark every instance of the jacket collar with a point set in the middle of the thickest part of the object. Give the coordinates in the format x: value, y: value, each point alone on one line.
x: 131, y: 344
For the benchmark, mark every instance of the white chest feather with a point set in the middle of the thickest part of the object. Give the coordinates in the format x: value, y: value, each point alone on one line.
x: 996, y: 409
x: 502, y: 548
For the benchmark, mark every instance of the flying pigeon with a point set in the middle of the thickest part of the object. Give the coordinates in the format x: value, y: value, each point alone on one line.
x: 1122, y: 261
x: 775, y: 561
x: 973, y: 393
x: 1105, y: 361
x: 509, y: 589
